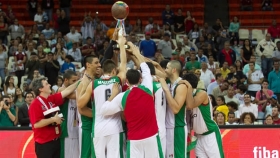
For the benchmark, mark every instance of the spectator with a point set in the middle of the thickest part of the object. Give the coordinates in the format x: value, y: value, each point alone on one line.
x: 148, y: 47
x: 233, y: 72
x: 234, y: 30
x: 273, y: 80
x: 222, y: 107
x: 206, y: 74
x: 265, y: 50
x: 55, y: 20
x: 188, y: 45
x: 167, y: 29
x: 175, y: 56
x: 276, y: 53
x: 274, y: 30
x: 221, y: 90
x: 18, y: 101
x: 179, y: 26
x: 7, y: 113
x: 74, y: 35
x: 230, y: 96
x: 212, y: 65
x: 69, y: 43
x: 63, y: 23
x: 267, y: 108
x: 87, y: 28
x: 47, y: 6
x: 239, y: 65
x: 4, y: 60
x: 222, y: 38
x: 210, y: 47
x: 218, y: 26
x: 233, y: 108
x: 194, y: 33
x: 59, y: 53
x: 39, y: 19
x: 275, y: 115
x: 246, y: 51
x: 99, y: 37
x: 9, y: 86
x: 89, y: 48
x: 247, y: 118
x: 48, y: 32
x: 159, y: 57
x: 246, y: 5
x: 220, y: 118
x: 42, y: 59
x: 201, y: 57
x: 227, y: 55
x: 240, y: 92
x: 32, y: 65
x: 128, y: 27
x: 20, y: 60
x: 262, y: 97
x: 30, y: 49
x: 192, y: 64
x: 267, y: 5
x: 3, y: 30
x: 138, y: 27
x: 75, y: 52
x: 189, y: 23
x: 32, y: 8
x: 102, y: 51
x: 65, y: 5
x: 246, y: 68
x: 52, y: 68
x: 16, y: 30
x: 156, y: 32
x: 103, y: 27
x: 200, y: 84
x: 248, y: 106
x: 168, y: 16
x: 23, y: 117
x: 166, y: 46
x: 224, y: 70
x: 255, y: 78
x: 231, y: 119
x: 211, y: 86
x: 202, y: 44
x: 68, y: 65
x: 208, y: 30
x: 35, y: 75
x: 59, y: 83
x: 268, y: 120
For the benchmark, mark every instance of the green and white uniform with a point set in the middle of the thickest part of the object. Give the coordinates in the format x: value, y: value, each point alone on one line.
x: 107, y: 131
x: 176, y: 129
x: 209, y: 141
x: 70, y: 130
x: 160, y: 107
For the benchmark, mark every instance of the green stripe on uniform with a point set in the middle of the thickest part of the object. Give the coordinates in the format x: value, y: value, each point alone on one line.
x: 219, y: 142
x: 128, y: 149
x: 180, y: 142
x: 121, y: 144
x: 160, y: 153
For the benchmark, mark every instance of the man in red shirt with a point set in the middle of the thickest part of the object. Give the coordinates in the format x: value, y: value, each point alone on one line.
x: 138, y: 108
x: 275, y: 115
x: 89, y: 48
x: 46, y: 130
x: 274, y: 30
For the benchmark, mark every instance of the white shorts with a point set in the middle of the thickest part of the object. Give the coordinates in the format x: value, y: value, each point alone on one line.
x: 176, y: 142
x: 209, y: 146
x: 71, y: 147
x: 109, y: 146
x: 145, y: 148
x: 163, y: 144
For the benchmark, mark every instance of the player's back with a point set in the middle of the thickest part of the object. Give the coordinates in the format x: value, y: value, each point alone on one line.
x: 104, y: 125
x: 139, y: 112
x: 160, y: 106
x: 202, y: 118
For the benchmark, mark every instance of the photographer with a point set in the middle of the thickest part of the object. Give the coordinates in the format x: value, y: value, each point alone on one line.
x: 46, y: 126
x: 7, y: 114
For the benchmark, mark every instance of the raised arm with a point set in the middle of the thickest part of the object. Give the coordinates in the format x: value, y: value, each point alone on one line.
x: 121, y: 41
x: 69, y: 89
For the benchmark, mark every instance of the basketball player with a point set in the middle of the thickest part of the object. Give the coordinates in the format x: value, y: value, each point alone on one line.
x: 138, y: 108
x: 106, y: 131
x: 176, y: 128
x: 209, y: 141
x: 92, y: 69
x: 69, y: 127
x: 160, y: 106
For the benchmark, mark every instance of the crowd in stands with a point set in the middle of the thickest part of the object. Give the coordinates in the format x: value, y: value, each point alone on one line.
x: 242, y: 79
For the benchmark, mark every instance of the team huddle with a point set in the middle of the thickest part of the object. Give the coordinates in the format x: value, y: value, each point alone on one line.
x: 144, y: 113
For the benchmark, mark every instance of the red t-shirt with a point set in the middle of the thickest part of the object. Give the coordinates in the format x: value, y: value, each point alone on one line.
x: 277, y: 122
x: 19, y: 55
x: 86, y: 46
x: 139, y: 112
x: 274, y: 31
x: 36, y: 109
x: 227, y: 56
x: 189, y: 25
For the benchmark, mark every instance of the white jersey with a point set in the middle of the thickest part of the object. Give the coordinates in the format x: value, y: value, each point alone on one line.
x: 179, y: 119
x: 70, y: 127
x: 160, y: 106
x: 104, y: 125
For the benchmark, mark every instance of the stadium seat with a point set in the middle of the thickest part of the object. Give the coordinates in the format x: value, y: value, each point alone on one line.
x: 24, y: 79
x: 156, y: 41
x: 11, y: 60
x: 243, y: 33
x: 78, y: 65
x: 15, y: 79
x: 11, y: 68
x: 257, y: 34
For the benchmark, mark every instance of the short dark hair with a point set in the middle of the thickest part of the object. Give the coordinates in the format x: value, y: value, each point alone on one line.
x: 231, y: 113
x: 88, y: 38
x: 108, y: 66
x: 192, y: 79
x: 133, y: 76
x: 248, y: 95
x: 222, y: 98
x: 233, y: 105
x: 88, y: 59
x: 164, y: 63
x: 6, y: 96
x: 242, y: 87
x: 37, y: 84
x: 251, y: 63
x: 152, y: 68
x: 218, y: 75
x: 68, y: 74
x: 278, y: 42
x: 28, y: 92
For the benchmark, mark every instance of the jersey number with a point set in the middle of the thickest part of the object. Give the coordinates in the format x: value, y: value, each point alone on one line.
x: 107, y: 94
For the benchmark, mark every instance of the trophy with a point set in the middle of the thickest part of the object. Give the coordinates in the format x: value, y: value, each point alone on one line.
x: 120, y: 11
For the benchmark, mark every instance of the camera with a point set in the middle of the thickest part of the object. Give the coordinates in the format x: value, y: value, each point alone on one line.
x: 116, y: 46
x: 6, y: 102
x: 51, y: 113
